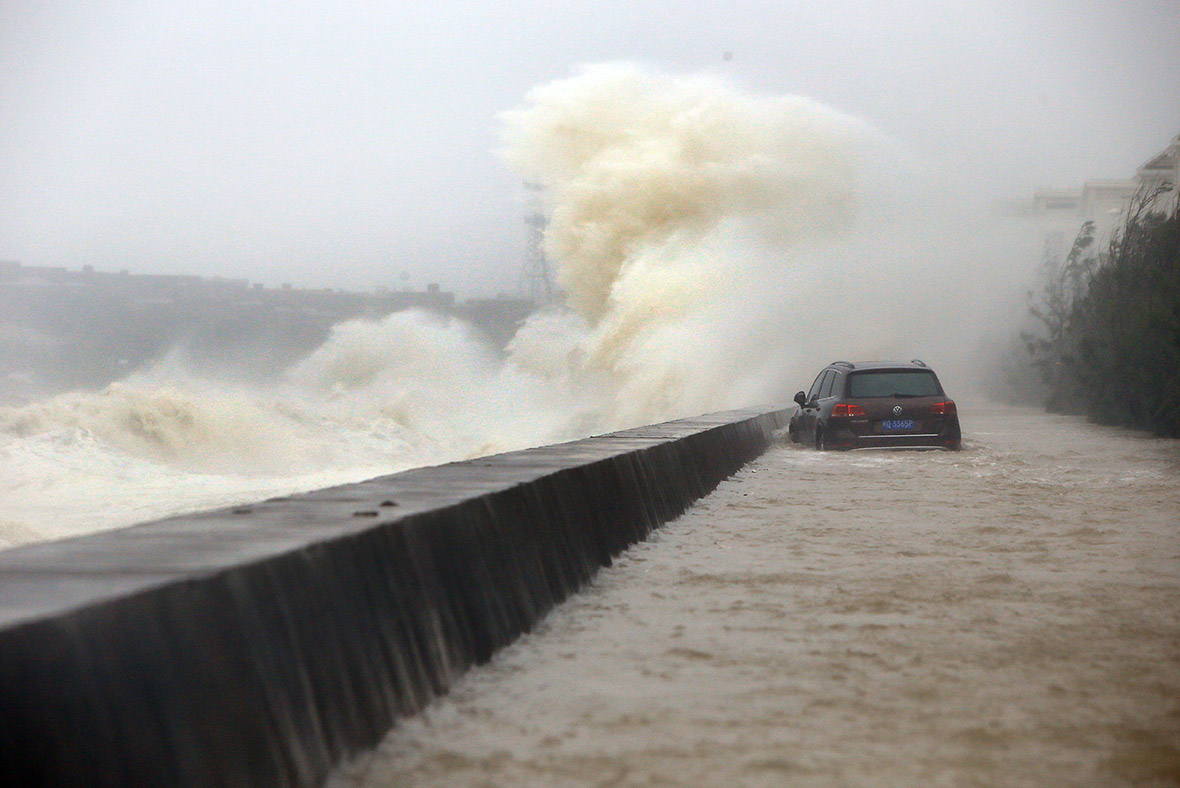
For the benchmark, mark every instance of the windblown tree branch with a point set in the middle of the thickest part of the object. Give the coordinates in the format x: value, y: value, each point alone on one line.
x: 1110, y: 346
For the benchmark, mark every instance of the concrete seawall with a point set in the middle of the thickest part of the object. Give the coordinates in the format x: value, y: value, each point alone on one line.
x: 260, y: 645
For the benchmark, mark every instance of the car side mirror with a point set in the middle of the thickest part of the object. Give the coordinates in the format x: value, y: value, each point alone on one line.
x: 801, y: 399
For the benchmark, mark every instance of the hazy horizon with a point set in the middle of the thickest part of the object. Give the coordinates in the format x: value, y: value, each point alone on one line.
x: 715, y: 246
x: 333, y: 145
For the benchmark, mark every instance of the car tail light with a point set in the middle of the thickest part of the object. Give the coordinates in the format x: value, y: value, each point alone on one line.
x: 844, y: 409
x: 944, y: 408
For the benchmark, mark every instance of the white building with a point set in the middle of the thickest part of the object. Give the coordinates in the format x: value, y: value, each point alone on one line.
x: 1059, y: 214
x: 1162, y: 173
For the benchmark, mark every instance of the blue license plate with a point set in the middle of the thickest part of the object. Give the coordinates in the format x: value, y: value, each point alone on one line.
x: 897, y: 424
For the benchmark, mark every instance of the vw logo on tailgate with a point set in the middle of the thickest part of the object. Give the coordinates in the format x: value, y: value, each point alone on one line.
x: 897, y: 410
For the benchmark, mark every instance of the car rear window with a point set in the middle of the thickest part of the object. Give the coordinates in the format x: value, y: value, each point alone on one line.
x: 893, y: 383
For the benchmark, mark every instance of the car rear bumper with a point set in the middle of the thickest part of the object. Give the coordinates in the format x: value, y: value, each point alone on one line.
x: 948, y: 437
x: 897, y: 442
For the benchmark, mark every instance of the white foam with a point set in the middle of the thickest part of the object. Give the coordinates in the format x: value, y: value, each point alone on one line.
x: 702, y: 234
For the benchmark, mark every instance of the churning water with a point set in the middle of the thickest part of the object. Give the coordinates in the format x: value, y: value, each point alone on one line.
x: 666, y: 194
x: 703, y: 235
x: 1004, y: 616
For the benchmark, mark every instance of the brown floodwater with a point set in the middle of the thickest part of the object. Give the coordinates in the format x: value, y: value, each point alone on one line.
x: 1008, y: 615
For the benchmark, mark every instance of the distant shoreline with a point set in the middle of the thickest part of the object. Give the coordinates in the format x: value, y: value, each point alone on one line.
x: 66, y: 329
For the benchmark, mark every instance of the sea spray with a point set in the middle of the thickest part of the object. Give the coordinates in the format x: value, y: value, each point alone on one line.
x: 685, y: 216
x: 632, y: 162
x: 677, y: 205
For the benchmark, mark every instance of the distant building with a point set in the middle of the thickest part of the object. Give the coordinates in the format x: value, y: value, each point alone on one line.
x: 1064, y: 210
x: 1060, y: 213
x: 1162, y: 174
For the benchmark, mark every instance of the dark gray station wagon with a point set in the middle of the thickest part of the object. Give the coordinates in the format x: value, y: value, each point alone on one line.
x: 876, y: 404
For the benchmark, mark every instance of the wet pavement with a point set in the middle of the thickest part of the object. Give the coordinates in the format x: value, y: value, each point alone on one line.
x: 1008, y: 615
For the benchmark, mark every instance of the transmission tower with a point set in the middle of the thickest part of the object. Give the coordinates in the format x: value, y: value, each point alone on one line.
x: 537, y: 276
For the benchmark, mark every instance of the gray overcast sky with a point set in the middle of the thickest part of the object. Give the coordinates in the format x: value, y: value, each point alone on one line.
x: 336, y: 143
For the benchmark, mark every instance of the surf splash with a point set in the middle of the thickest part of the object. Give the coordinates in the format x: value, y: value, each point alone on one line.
x: 675, y: 204
x: 681, y: 211
x: 641, y: 169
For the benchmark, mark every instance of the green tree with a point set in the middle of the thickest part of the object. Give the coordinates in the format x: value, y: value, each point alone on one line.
x: 1053, y: 350
x: 1111, y: 341
x: 1127, y: 326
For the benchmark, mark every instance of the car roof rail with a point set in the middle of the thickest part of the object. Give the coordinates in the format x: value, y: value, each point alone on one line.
x: 848, y: 364
x: 918, y: 361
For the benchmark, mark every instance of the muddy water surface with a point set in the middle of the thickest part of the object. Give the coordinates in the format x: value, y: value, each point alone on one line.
x: 1004, y: 616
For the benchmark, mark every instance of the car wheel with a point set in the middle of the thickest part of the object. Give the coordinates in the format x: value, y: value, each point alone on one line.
x: 792, y: 433
x: 821, y: 440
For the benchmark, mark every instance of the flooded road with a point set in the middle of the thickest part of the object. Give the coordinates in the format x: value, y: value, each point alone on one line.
x: 1004, y: 616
